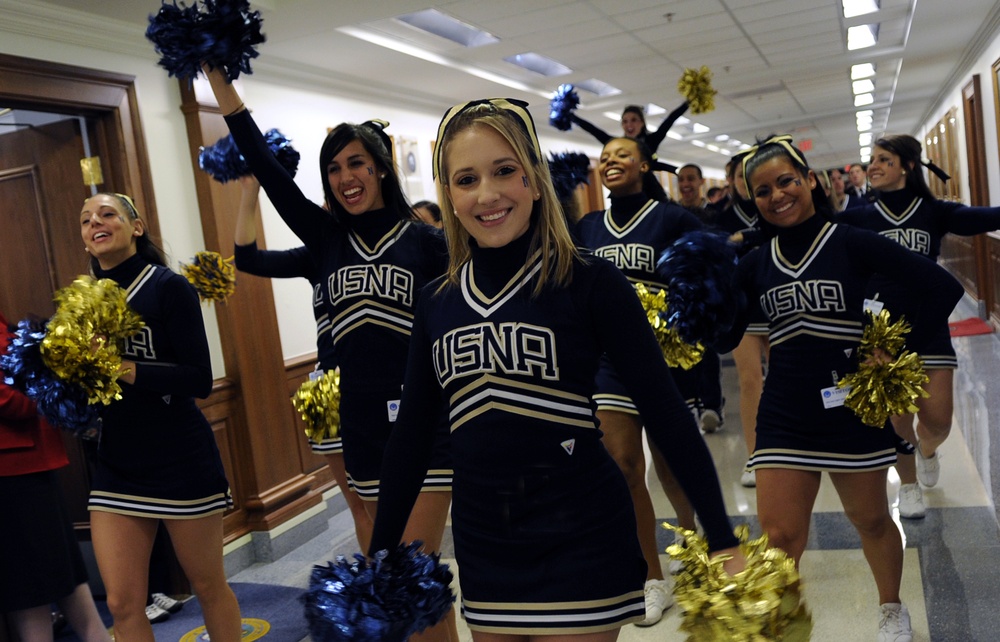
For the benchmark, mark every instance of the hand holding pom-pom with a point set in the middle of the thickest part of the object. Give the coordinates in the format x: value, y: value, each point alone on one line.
x: 224, y: 162
x: 696, y: 86
x: 223, y: 35
x: 888, y: 381
x: 385, y: 600
x: 698, y: 269
x: 318, y: 400
x: 676, y: 351
x: 562, y: 106
x: 761, y: 602
x: 213, y: 277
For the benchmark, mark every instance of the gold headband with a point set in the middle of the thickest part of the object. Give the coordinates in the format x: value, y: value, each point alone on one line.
x: 785, y: 141
x: 133, y: 212
x: 518, y: 108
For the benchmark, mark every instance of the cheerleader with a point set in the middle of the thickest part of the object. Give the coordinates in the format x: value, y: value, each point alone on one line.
x: 374, y: 259
x: 286, y: 264
x: 739, y: 219
x: 810, y: 281
x: 510, y: 341
x: 907, y: 212
x: 632, y: 234
x: 634, y: 126
x: 157, y: 459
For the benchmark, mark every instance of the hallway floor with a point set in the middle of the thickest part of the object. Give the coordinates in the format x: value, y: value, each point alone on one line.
x: 952, y: 555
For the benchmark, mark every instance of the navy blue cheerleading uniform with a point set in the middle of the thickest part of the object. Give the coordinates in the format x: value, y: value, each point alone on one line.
x: 651, y: 139
x: 810, y: 281
x: 372, y: 268
x: 632, y: 234
x: 542, y: 520
x: 287, y: 264
x: 157, y: 456
x: 741, y: 216
x: 919, y: 224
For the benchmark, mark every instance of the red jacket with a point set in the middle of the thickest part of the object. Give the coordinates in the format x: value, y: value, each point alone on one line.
x: 28, y: 444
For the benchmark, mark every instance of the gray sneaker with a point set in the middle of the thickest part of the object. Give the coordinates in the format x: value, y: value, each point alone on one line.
x: 894, y: 624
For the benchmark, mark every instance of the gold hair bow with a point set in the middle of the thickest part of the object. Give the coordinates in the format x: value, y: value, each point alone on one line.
x: 518, y: 108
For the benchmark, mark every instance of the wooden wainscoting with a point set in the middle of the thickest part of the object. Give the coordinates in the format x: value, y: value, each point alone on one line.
x: 958, y: 255
x: 993, y: 249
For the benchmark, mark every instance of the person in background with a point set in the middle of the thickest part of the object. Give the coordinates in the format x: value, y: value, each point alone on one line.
x: 633, y: 123
x: 690, y: 183
x: 907, y: 212
x: 40, y: 559
x: 840, y: 197
x: 428, y: 212
x: 544, y: 530
x: 715, y: 194
x: 858, y: 175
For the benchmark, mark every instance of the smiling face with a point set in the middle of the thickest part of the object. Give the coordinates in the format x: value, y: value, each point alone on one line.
x: 782, y: 194
x: 621, y: 167
x: 632, y: 124
x: 108, y: 230
x: 488, y: 186
x: 689, y: 183
x: 355, y: 179
x: 886, y: 171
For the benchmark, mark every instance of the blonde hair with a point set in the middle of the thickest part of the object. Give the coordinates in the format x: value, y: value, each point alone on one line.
x: 550, y: 232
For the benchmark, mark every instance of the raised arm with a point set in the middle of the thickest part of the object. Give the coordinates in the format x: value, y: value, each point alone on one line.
x: 602, y: 136
x: 653, y: 139
x: 277, y: 264
x: 305, y: 218
x: 968, y: 221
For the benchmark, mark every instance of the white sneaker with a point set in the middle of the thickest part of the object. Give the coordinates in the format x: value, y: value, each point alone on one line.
x: 749, y: 478
x: 167, y: 603
x: 675, y: 566
x: 659, y: 598
x: 894, y: 623
x: 911, y: 502
x: 928, y: 468
x: 156, y: 614
x: 709, y: 421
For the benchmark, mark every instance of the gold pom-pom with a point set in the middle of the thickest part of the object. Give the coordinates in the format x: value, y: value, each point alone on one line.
x: 880, y: 390
x: 696, y: 87
x: 319, y: 402
x: 676, y: 352
x: 212, y: 276
x: 761, y: 602
x: 81, y: 344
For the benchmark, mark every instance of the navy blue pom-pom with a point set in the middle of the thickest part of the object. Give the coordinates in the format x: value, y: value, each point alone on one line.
x: 386, y: 600
x: 562, y: 106
x: 701, y: 301
x: 568, y: 169
x: 222, y: 33
x: 61, y: 404
x: 224, y: 162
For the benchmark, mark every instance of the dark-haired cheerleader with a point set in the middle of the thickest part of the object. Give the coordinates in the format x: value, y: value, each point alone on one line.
x: 157, y: 459
x: 907, y: 212
x: 373, y: 258
x: 810, y: 281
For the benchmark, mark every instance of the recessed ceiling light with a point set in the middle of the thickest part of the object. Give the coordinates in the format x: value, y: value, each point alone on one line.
x: 613, y: 115
x: 698, y: 143
x: 714, y: 148
x: 865, y: 139
x: 862, y: 36
x: 674, y: 135
x: 698, y: 128
x: 863, y: 86
x: 444, y: 26
x: 863, y: 70
x: 598, y: 87
x: 538, y: 64
x: 722, y: 138
x: 652, y: 109
x: 854, y: 8
x: 863, y: 99
x: 865, y: 113
x: 866, y: 151
x: 863, y: 127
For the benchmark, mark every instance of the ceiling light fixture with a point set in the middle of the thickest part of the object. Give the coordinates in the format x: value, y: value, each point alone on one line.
x: 854, y: 8
x: 863, y: 70
x: 444, y: 26
x: 598, y: 87
x: 862, y: 36
x: 539, y: 64
x: 863, y: 99
x: 863, y: 86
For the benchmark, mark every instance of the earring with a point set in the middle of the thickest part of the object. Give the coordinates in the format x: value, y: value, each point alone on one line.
x: 904, y: 172
x: 381, y: 175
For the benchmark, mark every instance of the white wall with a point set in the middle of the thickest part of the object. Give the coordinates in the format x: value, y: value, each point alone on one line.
x: 302, y: 115
x: 983, y: 67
